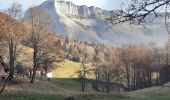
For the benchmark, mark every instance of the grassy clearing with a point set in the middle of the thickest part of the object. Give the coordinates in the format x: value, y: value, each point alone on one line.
x: 66, y: 69
x: 64, y: 78
x: 60, y: 89
x: 64, y: 84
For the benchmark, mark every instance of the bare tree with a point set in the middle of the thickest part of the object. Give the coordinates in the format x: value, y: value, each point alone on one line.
x: 126, y: 60
x: 82, y: 76
x: 50, y: 52
x: 138, y: 11
x: 39, y: 20
x: 46, y: 46
x: 11, y: 34
x: 97, y: 74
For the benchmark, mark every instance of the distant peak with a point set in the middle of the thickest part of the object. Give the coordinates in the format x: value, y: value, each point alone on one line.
x: 83, y: 11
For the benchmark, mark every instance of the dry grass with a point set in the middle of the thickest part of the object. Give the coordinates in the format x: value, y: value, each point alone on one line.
x: 63, y: 88
x: 157, y: 92
x: 66, y: 69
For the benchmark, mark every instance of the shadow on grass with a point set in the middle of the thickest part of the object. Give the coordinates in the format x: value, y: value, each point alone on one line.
x: 34, y: 96
x: 74, y: 85
x: 67, y: 83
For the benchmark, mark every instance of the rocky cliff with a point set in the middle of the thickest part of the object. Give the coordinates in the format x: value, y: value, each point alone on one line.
x: 88, y: 24
x: 70, y: 9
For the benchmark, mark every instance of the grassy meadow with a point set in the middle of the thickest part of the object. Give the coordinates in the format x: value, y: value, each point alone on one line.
x: 64, y: 85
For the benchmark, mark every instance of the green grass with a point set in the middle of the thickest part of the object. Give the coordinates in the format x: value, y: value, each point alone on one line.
x: 101, y: 96
x: 67, y: 83
x: 72, y: 84
x: 64, y: 84
x: 32, y: 97
x: 79, y: 97
x: 117, y: 97
x: 82, y: 96
x: 150, y: 98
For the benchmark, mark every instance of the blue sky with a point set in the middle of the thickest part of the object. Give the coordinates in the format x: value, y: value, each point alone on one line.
x: 104, y: 4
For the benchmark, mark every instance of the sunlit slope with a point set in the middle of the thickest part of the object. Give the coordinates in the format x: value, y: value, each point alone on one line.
x: 66, y: 69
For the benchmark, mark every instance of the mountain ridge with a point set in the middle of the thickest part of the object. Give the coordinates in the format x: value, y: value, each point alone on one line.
x: 85, y: 24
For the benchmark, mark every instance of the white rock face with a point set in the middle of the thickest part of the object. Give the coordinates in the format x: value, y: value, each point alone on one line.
x: 88, y: 24
x: 83, y: 11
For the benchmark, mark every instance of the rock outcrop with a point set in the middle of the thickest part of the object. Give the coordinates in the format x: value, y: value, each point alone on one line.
x: 88, y: 24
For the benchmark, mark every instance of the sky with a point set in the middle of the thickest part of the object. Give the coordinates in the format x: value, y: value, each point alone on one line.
x: 104, y: 4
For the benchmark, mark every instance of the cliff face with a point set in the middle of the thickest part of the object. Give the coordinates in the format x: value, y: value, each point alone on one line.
x: 83, y: 11
x: 88, y: 24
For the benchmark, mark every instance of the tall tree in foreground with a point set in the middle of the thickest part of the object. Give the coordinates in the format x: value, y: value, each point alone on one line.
x: 11, y: 33
x: 50, y: 52
x: 126, y: 60
x: 39, y: 21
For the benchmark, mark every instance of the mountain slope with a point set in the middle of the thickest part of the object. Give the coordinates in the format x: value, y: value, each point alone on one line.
x: 88, y: 24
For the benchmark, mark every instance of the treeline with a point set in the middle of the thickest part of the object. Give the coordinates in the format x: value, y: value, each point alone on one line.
x: 130, y: 67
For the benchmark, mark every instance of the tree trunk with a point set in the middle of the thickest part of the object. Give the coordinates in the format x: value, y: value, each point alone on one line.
x: 150, y: 76
x: 33, y: 75
x: 3, y: 87
x: 84, y: 78
x: 107, y: 88
x: 11, y: 58
x: 45, y: 72
x: 10, y: 76
x: 12, y: 54
x: 82, y: 84
x: 30, y: 73
x: 128, y: 77
x: 35, y: 63
x: 134, y: 78
x: 108, y: 84
x: 118, y: 89
x: 167, y: 58
x: 41, y: 76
